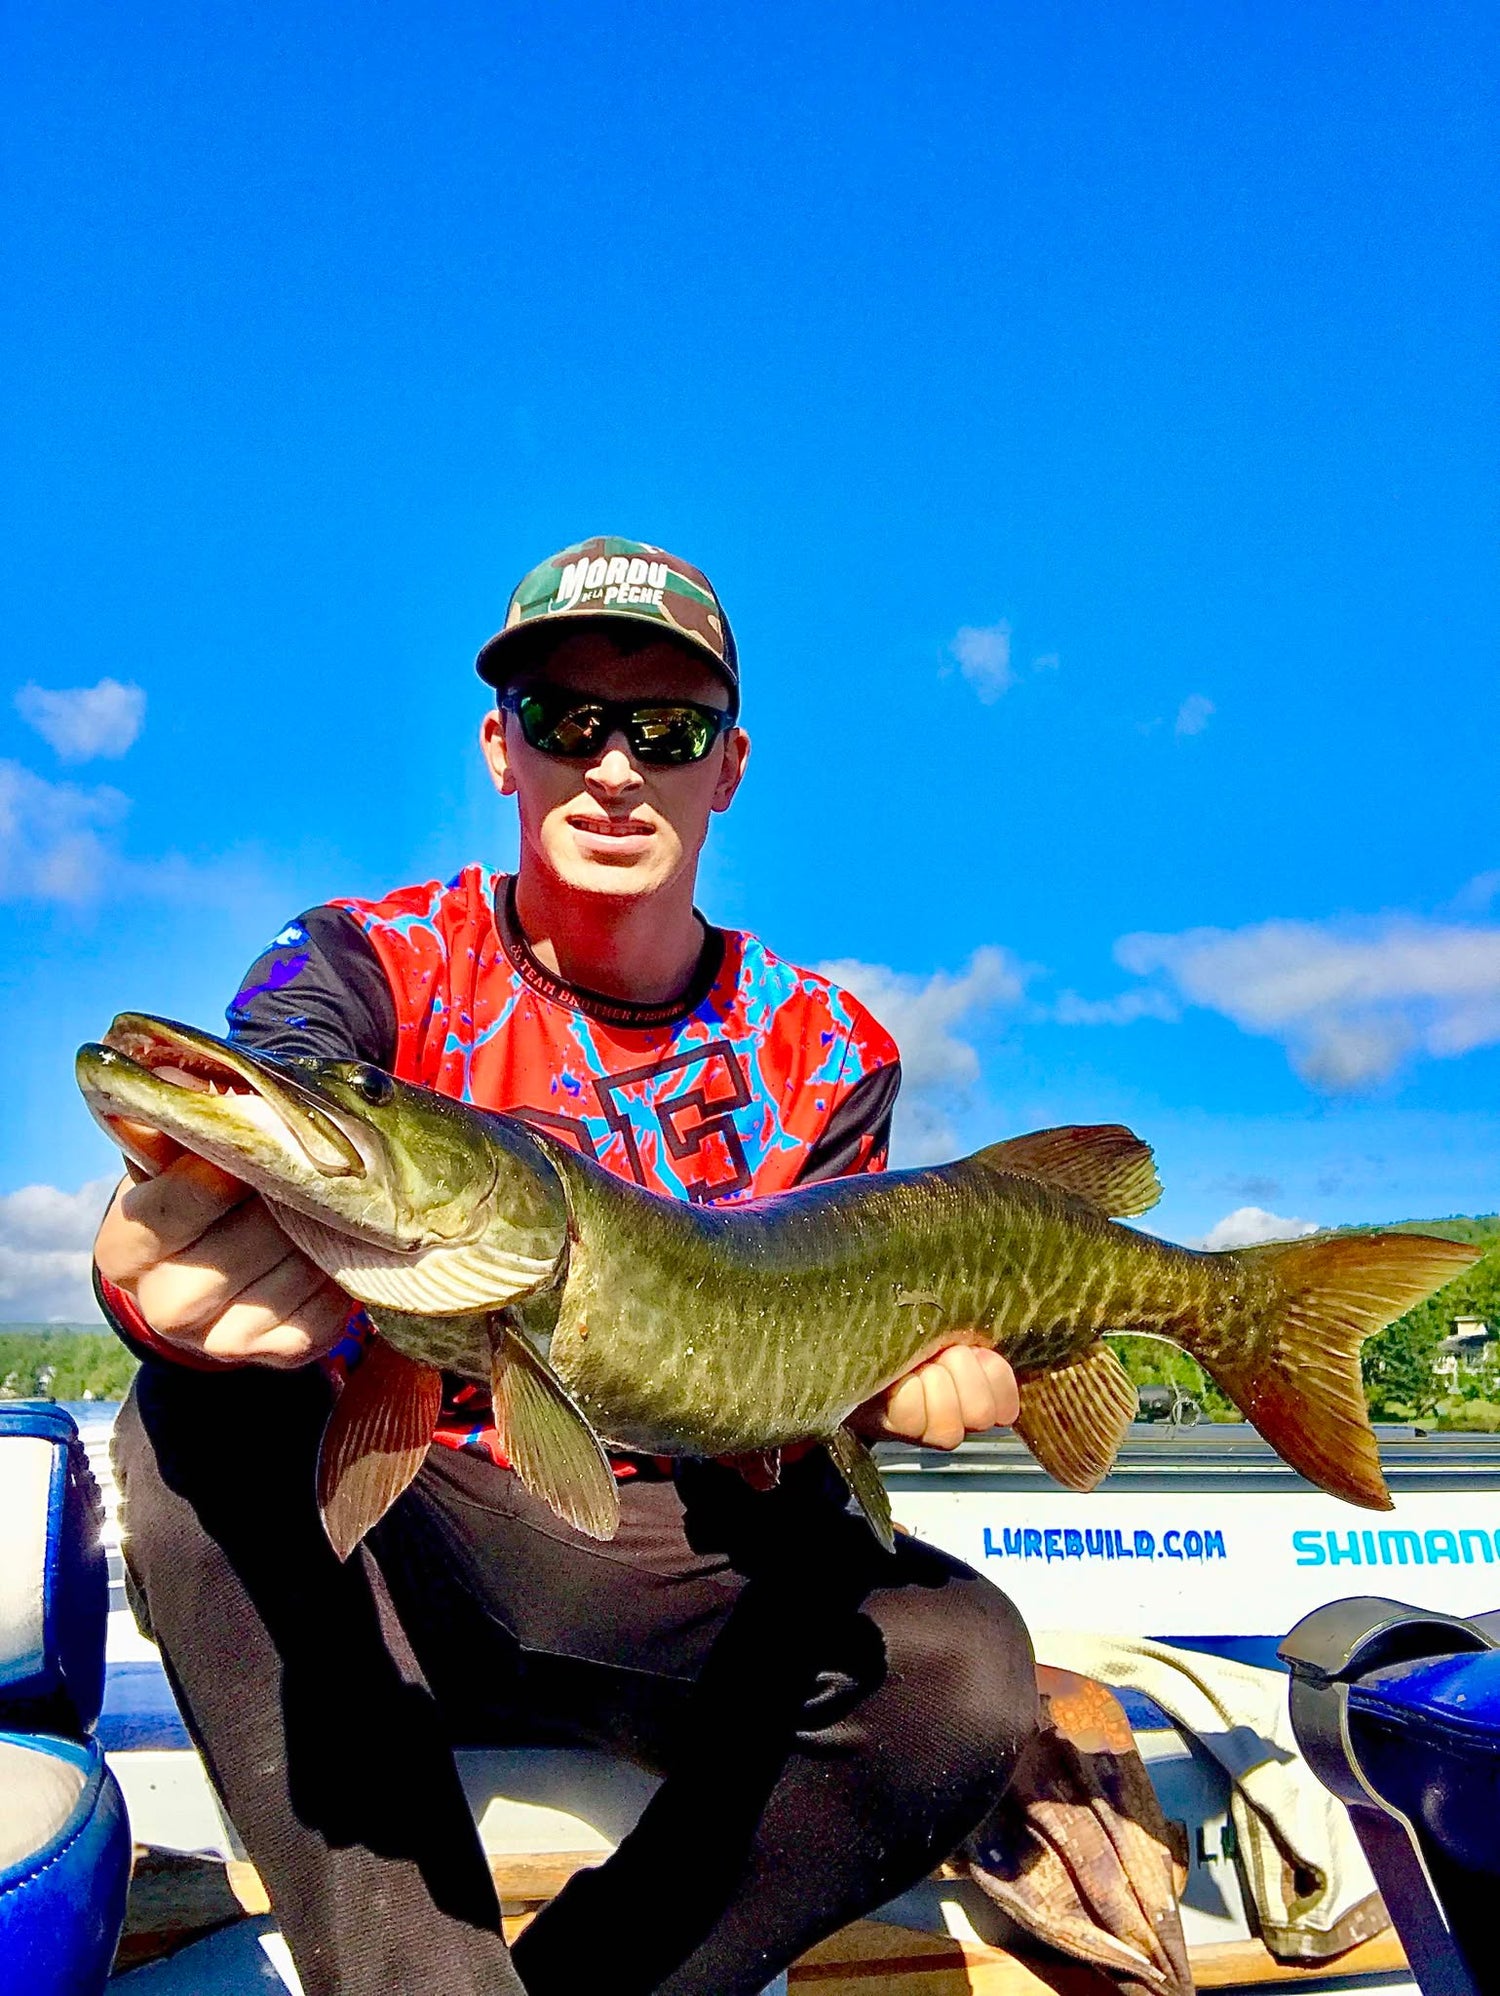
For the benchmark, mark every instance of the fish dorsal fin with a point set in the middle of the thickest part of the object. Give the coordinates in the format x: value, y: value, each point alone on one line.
x: 856, y: 1465
x: 375, y: 1441
x: 1074, y: 1417
x: 480, y: 1275
x: 1102, y: 1162
x: 551, y: 1446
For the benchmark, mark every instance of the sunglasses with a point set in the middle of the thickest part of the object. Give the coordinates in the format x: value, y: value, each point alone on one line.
x: 561, y: 722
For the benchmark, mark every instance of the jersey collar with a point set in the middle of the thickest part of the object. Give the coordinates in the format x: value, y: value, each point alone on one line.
x: 596, y: 1004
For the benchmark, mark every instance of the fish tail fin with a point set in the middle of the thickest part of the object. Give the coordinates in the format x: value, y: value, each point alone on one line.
x: 1304, y: 1393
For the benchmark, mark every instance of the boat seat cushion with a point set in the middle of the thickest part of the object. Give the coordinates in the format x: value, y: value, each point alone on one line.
x: 54, y: 1581
x: 64, y: 1866
x: 1442, y: 1701
x: 38, y: 1793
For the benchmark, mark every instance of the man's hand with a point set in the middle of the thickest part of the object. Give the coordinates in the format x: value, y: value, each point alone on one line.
x: 209, y: 1269
x: 961, y: 1390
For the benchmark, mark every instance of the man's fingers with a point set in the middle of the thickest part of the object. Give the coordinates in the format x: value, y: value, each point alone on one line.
x: 263, y: 1328
x: 199, y: 1283
x: 972, y: 1384
x: 944, y: 1426
x: 1002, y: 1396
x: 151, y: 1221
x: 1005, y: 1387
x: 147, y: 1151
x: 904, y: 1411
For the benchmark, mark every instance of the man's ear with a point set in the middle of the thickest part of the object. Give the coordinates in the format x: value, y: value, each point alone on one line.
x: 731, y: 769
x: 492, y: 746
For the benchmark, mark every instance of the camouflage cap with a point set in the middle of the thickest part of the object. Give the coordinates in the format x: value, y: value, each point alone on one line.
x: 614, y: 581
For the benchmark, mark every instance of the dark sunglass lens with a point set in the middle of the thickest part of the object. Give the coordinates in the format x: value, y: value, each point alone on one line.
x: 557, y: 728
x: 672, y: 734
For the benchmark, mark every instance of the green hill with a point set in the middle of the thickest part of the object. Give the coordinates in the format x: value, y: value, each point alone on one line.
x: 1399, y: 1364
x: 58, y: 1362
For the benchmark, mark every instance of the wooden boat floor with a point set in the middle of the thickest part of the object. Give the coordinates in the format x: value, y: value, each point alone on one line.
x: 176, y: 1899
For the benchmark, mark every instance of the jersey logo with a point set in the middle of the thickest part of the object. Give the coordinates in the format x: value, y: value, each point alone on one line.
x: 572, y: 1129
x: 694, y: 1122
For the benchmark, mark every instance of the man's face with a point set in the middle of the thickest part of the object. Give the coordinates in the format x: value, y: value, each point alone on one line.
x: 611, y: 825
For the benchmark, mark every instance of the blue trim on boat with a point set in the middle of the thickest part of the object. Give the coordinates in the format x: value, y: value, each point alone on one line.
x: 139, y: 1710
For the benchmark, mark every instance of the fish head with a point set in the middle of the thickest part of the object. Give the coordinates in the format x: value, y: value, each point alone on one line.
x: 342, y: 1142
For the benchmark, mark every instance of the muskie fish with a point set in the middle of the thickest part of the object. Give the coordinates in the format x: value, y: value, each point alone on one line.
x: 598, y: 1312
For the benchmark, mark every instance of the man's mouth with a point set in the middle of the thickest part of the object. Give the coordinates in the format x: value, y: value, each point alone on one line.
x: 612, y: 828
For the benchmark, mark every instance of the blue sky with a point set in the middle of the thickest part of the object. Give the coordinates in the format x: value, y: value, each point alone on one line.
x: 1090, y: 422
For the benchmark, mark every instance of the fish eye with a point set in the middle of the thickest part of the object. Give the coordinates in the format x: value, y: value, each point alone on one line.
x: 371, y: 1086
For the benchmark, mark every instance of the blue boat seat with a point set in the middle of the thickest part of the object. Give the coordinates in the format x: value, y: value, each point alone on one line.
x: 64, y: 1837
x: 1397, y: 1710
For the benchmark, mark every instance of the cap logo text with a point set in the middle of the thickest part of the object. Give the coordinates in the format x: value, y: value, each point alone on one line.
x: 615, y: 580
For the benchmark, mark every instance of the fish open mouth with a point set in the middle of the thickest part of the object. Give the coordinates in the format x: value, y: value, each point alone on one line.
x: 265, y: 1096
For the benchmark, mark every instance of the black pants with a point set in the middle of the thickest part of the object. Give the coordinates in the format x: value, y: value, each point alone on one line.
x: 829, y: 1720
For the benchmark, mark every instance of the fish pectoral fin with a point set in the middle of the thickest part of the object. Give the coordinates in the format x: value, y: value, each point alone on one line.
x: 1102, y: 1162
x: 1074, y: 1418
x: 549, y: 1441
x: 856, y: 1465
x: 376, y: 1440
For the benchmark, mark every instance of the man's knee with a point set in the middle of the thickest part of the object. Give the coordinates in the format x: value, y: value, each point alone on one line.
x: 963, y: 1649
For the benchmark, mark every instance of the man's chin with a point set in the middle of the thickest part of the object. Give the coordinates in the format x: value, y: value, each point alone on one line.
x: 626, y: 876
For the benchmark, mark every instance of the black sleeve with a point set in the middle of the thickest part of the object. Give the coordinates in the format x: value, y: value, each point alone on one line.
x: 858, y: 1133
x: 320, y: 989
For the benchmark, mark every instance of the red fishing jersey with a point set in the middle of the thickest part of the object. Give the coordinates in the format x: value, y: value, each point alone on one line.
x: 759, y: 1077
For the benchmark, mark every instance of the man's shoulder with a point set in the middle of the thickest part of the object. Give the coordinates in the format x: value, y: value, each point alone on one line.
x: 782, y: 996
x: 428, y: 909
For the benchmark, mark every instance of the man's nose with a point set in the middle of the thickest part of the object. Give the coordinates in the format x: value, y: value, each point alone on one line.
x: 615, y: 770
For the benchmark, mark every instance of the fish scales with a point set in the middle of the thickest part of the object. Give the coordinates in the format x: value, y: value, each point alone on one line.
x: 728, y: 1330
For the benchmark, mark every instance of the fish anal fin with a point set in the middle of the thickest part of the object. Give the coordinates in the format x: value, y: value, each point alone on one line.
x: 375, y: 1441
x: 1301, y: 1386
x: 1074, y: 1417
x: 1102, y: 1162
x: 548, y: 1439
x: 856, y: 1465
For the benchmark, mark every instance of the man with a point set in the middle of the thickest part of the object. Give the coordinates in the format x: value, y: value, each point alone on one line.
x: 830, y: 1720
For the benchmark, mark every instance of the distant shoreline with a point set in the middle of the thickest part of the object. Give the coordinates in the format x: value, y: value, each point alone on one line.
x: 14, y: 1330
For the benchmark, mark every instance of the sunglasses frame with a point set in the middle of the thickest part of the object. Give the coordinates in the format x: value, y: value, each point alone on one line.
x: 615, y: 716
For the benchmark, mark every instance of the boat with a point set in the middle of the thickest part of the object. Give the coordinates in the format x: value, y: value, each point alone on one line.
x: 1200, y: 1538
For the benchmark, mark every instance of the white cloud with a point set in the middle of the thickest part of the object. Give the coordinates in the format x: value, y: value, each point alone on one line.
x: 46, y: 1238
x: 1247, y: 1226
x: 1477, y: 895
x: 1194, y: 715
x: 82, y: 722
x: 56, y: 844
x: 1349, y: 1001
x: 939, y: 1068
x: 983, y: 654
x: 1071, y: 1010
x: 50, y: 848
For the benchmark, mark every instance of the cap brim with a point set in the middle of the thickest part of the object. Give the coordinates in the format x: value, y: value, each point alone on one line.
x: 506, y: 656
